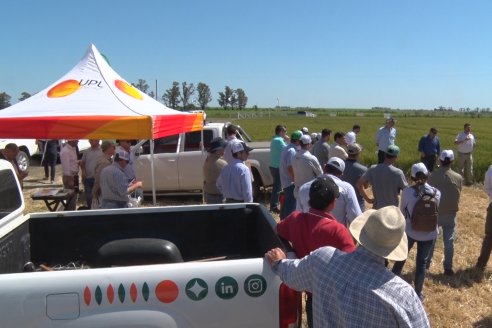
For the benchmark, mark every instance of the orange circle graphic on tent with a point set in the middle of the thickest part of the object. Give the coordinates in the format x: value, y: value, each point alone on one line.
x: 64, y: 89
x: 128, y: 89
x: 166, y: 291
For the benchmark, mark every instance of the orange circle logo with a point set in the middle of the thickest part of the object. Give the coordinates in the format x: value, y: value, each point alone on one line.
x: 167, y: 291
x: 64, y: 89
x: 128, y: 89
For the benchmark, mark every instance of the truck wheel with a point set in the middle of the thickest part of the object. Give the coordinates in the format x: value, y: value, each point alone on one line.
x: 23, y: 160
x: 256, y: 186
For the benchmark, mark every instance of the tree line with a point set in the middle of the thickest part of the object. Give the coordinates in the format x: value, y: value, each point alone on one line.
x: 186, y: 96
x: 183, y: 96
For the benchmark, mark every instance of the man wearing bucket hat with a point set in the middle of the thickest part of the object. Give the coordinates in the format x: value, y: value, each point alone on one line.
x: 214, y: 163
x: 356, y: 290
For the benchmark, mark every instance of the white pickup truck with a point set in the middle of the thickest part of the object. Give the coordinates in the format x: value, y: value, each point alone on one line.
x: 178, y: 161
x: 183, y: 266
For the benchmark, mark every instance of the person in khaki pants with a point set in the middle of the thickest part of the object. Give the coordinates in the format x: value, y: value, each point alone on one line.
x: 465, y: 142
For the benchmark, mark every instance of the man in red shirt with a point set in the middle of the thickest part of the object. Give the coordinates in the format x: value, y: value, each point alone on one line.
x: 316, y: 228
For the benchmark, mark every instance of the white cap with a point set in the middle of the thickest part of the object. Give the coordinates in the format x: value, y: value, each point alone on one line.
x: 419, y: 167
x: 305, y: 139
x: 122, y: 154
x: 236, y: 147
x: 305, y: 130
x: 337, y: 163
x: 447, y: 153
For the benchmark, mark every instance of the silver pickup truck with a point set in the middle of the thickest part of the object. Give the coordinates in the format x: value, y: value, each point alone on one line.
x: 178, y: 161
x: 180, y: 266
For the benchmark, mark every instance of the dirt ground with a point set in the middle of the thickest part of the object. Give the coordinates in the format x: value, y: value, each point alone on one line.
x: 463, y: 300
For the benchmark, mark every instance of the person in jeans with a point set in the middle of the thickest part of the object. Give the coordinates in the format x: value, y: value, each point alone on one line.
x: 423, y: 239
x: 287, y: 174
x: 487, y: 239
x: 449, y: 183
x: 50, y: 156
x: 276, y: 146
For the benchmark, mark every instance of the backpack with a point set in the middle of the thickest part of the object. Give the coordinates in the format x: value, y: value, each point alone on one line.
x: 424, y: 216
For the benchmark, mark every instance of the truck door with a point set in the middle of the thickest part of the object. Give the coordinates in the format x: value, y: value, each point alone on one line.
x: 165, y: 164
x: 191, y: 159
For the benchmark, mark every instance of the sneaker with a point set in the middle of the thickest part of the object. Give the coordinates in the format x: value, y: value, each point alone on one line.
x: 449, y: 272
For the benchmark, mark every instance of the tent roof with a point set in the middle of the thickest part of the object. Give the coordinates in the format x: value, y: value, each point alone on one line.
x: 93, y: 102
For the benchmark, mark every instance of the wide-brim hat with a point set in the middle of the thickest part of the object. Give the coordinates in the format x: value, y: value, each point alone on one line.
x: 382, y: 232
x: 216, y: 144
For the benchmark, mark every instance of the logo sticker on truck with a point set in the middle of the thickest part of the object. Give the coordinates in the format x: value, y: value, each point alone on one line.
x: 196, y: 289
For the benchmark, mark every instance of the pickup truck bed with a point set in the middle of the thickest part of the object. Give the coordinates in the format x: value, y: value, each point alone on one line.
x: 206, y: 232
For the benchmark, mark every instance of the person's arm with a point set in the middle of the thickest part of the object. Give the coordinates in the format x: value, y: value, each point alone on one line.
x: 134, y: 186
x: 297, y: 274
x: 361, y: 184
x: 290, y: 171
x: 247, y: 186
x: 421, y: 147
x: 82, y: 167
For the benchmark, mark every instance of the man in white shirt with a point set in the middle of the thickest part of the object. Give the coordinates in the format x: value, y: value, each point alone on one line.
x: 346, y: 206
x: 351, y: 136
x: 337, y: 149
x: 487, y: 239
x: 70, y: 169
x: 385, y: 137
x: 465, y: 142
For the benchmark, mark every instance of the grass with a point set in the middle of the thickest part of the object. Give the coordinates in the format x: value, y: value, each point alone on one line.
x: 409, y: 128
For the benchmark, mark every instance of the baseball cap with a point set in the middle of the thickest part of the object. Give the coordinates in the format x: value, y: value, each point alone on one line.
x: 323, y: 188
x: 337, y: 163
x: 393, y: 150
x: 306, y: 139
x: 419, y: 167
x: 305, y: 130
x: 122, y: 154
x: 236, y: 147
x: 216, y: 144
x: 296, y: 135
x: 390, y: 119
x: 354, y: 149
x: 447, y: 153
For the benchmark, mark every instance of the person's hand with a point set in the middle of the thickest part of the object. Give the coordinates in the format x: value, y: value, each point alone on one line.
x: 275, y: 255
x: 370, y: 200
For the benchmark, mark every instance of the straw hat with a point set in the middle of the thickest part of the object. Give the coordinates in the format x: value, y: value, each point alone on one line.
x: 382, y: 232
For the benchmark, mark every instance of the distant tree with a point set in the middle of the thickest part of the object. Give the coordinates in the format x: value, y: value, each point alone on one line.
x: 24, y: 96
x: 204, y: 95
x: 225, y: 97
x: 141, y: 85
x: 151, y: 94
x: 242, y: 100
x: 4, y: 100
x: 187, y: 91
x: 171, y: 96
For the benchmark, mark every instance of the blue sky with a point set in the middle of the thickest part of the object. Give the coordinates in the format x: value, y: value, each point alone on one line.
x: 320, y: 53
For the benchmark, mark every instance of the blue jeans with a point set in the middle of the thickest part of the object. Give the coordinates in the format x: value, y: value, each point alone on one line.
x: 423, y: 250
x: 447, y: 222
x: 88, y: 187
x: 275, y: 188
x: 107, y: 204
x: 290, y: 202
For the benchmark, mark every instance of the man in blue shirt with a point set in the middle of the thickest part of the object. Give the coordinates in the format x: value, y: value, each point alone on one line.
x: 429, y: 148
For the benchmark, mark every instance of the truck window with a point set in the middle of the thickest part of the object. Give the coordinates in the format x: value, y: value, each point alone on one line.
x: 11, y: 198
x: 167, y: 144
x: 192, y: 139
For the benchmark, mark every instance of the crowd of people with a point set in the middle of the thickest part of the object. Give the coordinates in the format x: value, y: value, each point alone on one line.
x: 360, y: 286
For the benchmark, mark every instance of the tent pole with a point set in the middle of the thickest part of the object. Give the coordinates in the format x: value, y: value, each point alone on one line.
x: 154, y: 199
x: 203, y: 156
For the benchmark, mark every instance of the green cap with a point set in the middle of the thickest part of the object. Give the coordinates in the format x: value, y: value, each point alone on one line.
x: 296, y: 135
x: 393, y: 150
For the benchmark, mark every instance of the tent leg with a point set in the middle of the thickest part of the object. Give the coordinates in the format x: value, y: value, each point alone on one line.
x: 154, y: 198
